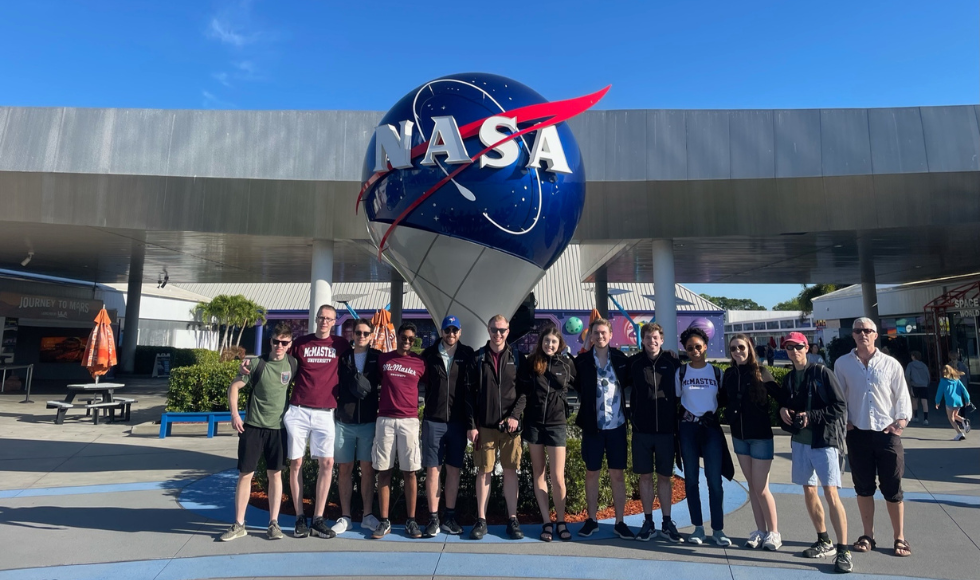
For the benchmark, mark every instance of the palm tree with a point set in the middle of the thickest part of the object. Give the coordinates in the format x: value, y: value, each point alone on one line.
x: 806, y: 296
x: 217, y: 315
x: 246, y: 313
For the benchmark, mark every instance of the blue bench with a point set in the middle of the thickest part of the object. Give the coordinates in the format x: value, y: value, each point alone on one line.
x: 211, y: 418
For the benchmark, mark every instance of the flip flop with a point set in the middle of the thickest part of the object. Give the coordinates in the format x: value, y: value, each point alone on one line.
x: 864, y: 544
x: 904, y: 546
x: 547, y: 530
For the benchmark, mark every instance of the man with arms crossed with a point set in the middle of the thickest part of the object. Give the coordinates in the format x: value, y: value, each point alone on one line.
x: 814, y: 413
x: 357, y: 413
x: 397, y: 431
x: 878, y: 408
x: 261, y: 433
x: 497, y: 403
x: 447, y: 367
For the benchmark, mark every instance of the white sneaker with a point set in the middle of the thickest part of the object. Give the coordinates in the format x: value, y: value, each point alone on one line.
x: 719, y: 537
x: 773, y: 541
x: 369, y: 522
x: 697, y: 536
x: 755, y: 540
x: 959, y: 437
x: 342, y: 525
x: 966, y: 424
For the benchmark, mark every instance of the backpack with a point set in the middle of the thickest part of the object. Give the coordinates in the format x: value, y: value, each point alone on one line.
x: 259, y: 367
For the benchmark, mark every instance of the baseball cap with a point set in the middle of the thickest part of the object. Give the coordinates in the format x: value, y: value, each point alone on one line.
x: 796, y: 337
x: 450, y: 321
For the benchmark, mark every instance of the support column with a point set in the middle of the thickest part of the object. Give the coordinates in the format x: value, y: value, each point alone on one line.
x: 134, y: 292
x: 258, y: 339
x: 664, y: 292
x: 602, y: 292
x: 869, y: 292
x: 397, y: 293
x: 321, y: 278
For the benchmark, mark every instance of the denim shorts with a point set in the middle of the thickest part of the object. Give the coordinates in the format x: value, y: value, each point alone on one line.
x: 813, y: 467
x: 761, y: 449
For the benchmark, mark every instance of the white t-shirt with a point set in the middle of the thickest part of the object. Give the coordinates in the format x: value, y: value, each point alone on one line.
x: 699, y: 393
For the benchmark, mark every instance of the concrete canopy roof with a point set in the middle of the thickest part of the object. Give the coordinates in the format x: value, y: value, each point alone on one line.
x: 747, y: 196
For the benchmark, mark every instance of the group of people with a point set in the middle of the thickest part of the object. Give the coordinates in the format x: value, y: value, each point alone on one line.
x: 950, y: 389
x: 351, y: 403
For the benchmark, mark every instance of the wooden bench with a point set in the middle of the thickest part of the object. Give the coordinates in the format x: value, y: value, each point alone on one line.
x: 211, y: 418
x: 62, y: 407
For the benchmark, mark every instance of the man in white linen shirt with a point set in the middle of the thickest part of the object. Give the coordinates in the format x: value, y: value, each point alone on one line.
x: 878, y: 409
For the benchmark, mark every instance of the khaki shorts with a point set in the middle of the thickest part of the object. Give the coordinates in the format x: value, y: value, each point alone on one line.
x: 396, y: 438
x: 490, y: 441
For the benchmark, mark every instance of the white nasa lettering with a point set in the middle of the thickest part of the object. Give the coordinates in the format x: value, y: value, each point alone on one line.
x: 445, y: 140
x: 489, y: 135
x: 393, y: 146
x: 547, y: 147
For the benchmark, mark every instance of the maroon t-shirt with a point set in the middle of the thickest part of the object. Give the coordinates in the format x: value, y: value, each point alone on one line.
x: 400, y: 377
x: 316, y: 378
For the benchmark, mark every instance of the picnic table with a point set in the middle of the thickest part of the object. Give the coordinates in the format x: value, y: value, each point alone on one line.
x: 103, y: 399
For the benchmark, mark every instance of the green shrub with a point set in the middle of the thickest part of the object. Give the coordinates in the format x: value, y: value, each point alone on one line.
x: 203, y: 387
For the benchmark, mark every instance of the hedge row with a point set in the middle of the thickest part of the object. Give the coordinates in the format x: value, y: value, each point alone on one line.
x: 203, y: 387
x: 179, y: 357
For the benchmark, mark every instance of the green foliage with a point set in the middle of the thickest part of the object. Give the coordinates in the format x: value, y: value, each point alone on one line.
x: 226, y: 313
x: 806, y: 296
x: 788, y: 305
x: 203, y: 387
x: 838, y: 347
x: 179, y: 357
x: 734, y: 303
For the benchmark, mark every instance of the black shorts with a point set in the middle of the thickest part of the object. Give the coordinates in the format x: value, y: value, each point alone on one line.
x: 255, y: 442
x: 608, y: 442
x: 920, y: 392
x: 653, y: 450
x: 547, y: 435
x: 876, y: 455
x: 443, y: 442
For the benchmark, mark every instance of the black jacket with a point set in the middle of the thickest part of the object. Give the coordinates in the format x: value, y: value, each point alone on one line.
x: 546, y: 395
x: 653, y: 400
x: 495, y: 397
x: 586, y: 384
x: 350, y: 409
x: 445, y: 395
x: 828, y: 408
x: 746, y: 401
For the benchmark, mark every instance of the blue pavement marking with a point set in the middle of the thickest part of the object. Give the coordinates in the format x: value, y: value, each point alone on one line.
x: 914, y: 496
x: 354, y: 564
x: 87, y: 489
x: 214, y: 496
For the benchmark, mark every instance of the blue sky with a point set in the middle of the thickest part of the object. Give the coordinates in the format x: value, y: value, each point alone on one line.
x: 366, y: 55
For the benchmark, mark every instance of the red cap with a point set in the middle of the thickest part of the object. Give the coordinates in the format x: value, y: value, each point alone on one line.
x: 796, y: 337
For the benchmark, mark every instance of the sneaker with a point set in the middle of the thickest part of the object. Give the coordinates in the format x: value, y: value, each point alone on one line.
x: 966, y: 426
x: 236, y: 531
x: 624, y: 531
x: 915, y: 419
x: 451, y: 527
x: 320, y: 529
x: 959, y: 437
x: 412, y: 529
x: 720, y: 538
x: 479, y: 530
x: 668, y: 531
x: 755, y: 540
x: 274, y: 532
x: 926, y: 423
x: 821, y: 549
x: 384, y: 526
x: 514, y: 529
x: 369, y: 522
x: 773, y: 541
x: 697, y: 536
x: 646, y: 531
x: 842, y: 563
x: 342, y: 525
x: 300, y: 530
x: 432, y: 528
x: 588, y: 527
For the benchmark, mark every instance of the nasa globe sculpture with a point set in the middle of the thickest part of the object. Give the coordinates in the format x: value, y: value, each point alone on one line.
x: 473, y: 186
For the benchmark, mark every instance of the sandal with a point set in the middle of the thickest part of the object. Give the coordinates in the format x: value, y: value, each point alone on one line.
x: 902, y: 546
x: 546, y: 532
x: 563, y: 533
x: 864, y: 544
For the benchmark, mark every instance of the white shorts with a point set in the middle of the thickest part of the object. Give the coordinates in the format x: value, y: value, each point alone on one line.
x: 309, y: 425
x: 396, y: 436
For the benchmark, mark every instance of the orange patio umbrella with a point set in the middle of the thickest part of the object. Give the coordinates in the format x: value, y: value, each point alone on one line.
x: 586, y: 336
x: 384, y: 331
x: 100, y: 352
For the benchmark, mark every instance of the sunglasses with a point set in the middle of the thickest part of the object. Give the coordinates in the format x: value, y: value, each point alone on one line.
x: 362, y: 333
x: 696, y: 347
x: 863, y: 331
x: 281, y: 342
x: 406, y: 338
x: 499, y: 330
x: 738, y: 348
x: 450, y: 330
x: 795, y: 346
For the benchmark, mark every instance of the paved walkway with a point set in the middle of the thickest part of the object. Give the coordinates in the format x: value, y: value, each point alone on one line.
x: 96, y: 501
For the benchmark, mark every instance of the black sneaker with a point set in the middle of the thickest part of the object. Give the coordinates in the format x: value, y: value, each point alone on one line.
x: 479, y: 530
x: 320, y: 529
x: 384, y: 526
x: 668, y: 531
x: 821, y: 549
x: 514, y: 529
x: 647, y: 530
x: 300, y: 530
x: 842, y: 563
x: 588, y: 527
x: 451, y: 527
x: 624, y: 531
x: 412, y: 529
x: 432, y: 528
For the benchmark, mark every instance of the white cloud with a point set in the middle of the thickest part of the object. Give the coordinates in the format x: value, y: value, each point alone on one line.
x: 212, y: 102
x: 222, y: 77
x: 225, y: 32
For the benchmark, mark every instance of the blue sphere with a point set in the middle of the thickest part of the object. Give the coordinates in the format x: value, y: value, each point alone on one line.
x: 530, y: 213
